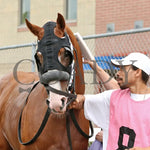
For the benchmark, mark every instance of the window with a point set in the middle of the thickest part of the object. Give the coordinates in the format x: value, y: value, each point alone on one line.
x: 71, y: 9
x: 24, y: 10
x: 110, y: 27
x: 138, y: 24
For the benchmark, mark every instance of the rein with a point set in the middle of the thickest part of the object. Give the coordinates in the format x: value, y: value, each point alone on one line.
x: 71, y: 97
x: 42, y: 124
x: 70, y: 113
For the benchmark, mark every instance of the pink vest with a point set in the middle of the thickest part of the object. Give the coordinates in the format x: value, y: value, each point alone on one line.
x: 129, y: 122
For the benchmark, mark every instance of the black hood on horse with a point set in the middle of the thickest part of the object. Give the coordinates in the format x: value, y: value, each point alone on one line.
x: 49, y: 46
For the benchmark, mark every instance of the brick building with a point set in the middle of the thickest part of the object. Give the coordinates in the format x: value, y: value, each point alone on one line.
x: 116, y: 15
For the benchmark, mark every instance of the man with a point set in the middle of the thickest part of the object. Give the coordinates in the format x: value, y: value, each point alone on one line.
x: 123, y: 113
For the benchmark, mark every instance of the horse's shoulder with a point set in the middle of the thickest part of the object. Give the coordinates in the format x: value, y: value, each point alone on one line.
x: 11, y: 84
x: 19, y: 77
x: 25, y: 76
x: 5, y: 80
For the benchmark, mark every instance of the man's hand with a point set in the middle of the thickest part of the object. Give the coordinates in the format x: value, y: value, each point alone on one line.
x: 78, y: 103
x: 92, y: 63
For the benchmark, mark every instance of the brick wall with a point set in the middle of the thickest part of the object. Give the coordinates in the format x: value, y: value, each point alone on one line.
x: 123, y: 13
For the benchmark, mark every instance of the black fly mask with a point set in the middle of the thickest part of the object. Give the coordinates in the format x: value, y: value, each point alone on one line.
x: 54, y: 66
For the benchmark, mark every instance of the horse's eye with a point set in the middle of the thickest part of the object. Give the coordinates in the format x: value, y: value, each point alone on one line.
x: 67, y: 54
x: 65, y: 57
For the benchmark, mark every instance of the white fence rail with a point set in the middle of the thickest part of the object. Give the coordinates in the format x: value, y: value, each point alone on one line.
x: 103, y: 47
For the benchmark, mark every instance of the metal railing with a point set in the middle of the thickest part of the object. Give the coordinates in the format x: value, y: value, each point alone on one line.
x: 112, y: 45
x: 103, y: 47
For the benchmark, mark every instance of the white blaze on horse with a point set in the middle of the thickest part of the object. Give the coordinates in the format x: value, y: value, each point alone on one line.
x: 26, y: 121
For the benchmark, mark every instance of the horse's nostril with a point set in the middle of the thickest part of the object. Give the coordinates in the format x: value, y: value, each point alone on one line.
x: 63, y: 104
x: 63, y: 101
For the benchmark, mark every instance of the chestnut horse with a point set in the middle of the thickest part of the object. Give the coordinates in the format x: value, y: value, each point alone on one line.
x: 14, y: 95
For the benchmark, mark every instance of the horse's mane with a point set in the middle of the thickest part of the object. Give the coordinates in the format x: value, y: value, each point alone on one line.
x: 79, y: 71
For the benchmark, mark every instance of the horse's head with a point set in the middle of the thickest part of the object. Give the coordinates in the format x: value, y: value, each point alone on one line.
x: 55, y: 59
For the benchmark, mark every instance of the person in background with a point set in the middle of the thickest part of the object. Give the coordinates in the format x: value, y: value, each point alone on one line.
x: 98, y: 143
x: 122, y: 113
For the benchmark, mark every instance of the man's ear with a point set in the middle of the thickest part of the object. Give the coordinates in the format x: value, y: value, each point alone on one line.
x: 138, y: 72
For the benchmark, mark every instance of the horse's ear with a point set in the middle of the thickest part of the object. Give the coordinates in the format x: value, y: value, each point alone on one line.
x: 36, y: 30
x: 61, y: 22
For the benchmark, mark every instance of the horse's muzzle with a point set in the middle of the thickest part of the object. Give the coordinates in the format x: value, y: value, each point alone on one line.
x: 57, y: 102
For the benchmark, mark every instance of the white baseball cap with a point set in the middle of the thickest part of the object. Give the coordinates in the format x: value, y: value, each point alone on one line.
x: 136, y: 59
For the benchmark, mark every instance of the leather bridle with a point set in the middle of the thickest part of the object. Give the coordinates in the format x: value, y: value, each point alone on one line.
x: 70, y: 113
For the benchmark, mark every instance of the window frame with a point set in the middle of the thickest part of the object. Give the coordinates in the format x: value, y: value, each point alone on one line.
x: 138, y: 24
x: 22, y: 14
x: 69, y: 10
x: 110, y: 27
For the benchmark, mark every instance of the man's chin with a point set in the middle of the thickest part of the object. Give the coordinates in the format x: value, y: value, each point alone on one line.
x: 122, y: 84
x: 122, y: 87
